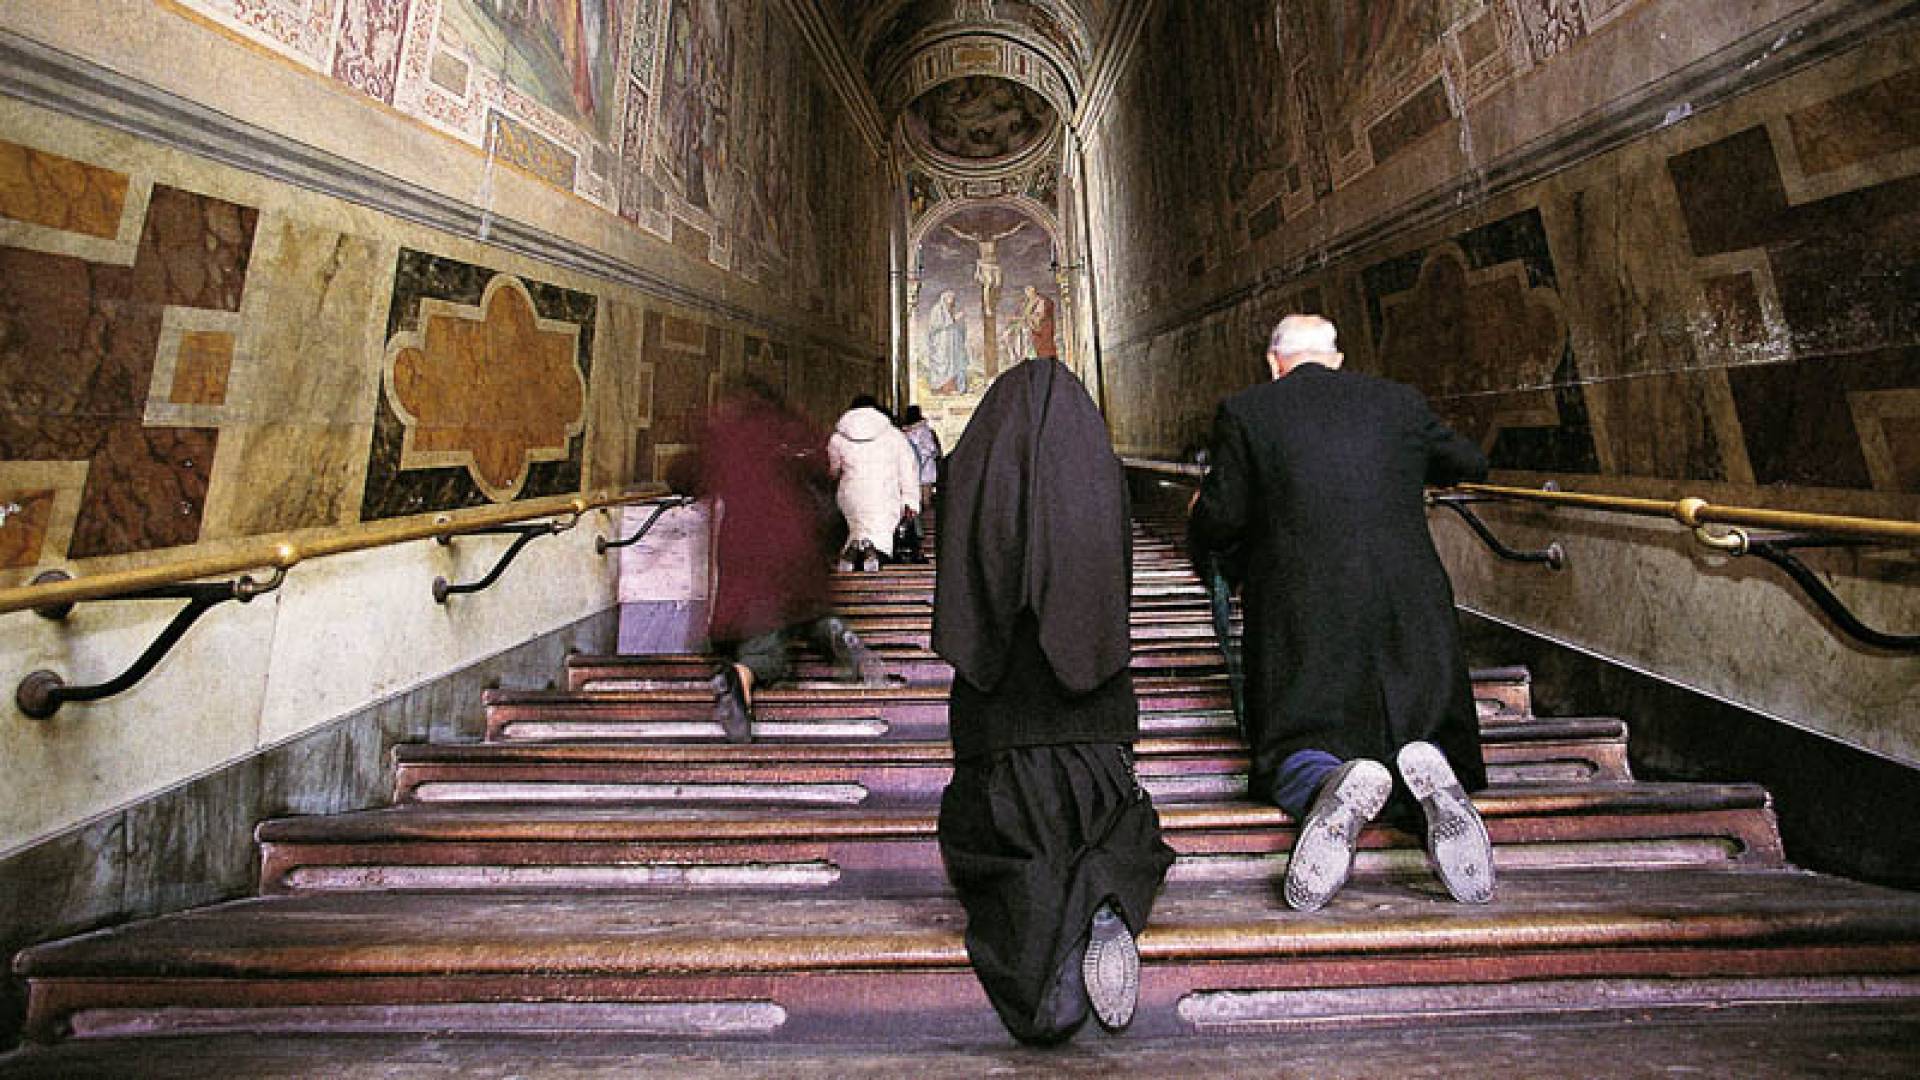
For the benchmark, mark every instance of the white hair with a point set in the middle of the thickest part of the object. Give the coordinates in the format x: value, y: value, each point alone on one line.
x: 1298, y: 334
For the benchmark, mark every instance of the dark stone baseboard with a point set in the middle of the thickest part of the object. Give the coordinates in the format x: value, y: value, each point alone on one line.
x: 192, y: 844
x: 1842, y: 810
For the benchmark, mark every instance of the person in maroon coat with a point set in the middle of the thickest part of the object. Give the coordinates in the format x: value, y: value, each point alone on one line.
x: 764, y: 469
x: 1352, y: 647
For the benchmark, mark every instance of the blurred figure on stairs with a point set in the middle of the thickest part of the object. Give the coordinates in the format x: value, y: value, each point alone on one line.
x: 764, y: 468
x: 1046, y: 833
x: 1352, y: 648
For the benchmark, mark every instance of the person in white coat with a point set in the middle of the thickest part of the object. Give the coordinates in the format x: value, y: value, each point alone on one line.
x: 879, y: 478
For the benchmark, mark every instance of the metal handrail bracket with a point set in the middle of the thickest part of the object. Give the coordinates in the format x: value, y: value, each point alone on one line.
x: 601, y: 545
x: 1734, y: 541
x: 1553, y: 556
x: 54, y: 593
x: 42, y: 692
x: 523, y: 534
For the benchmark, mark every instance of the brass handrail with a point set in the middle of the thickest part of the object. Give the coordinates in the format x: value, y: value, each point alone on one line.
x: 284, y: 552
x: 1697, y: 514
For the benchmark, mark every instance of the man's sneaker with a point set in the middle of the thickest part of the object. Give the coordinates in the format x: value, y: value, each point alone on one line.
x: 730, y: 709
x: 1322, y: 857
x: 854, y: 655
x: 869, y: 559
x: 1456, y: 838
x: 1111, y: 969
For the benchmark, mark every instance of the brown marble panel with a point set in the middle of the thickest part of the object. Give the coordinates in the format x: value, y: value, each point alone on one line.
x: 78, y: 342
x: 1417, y: 117
x: 201, y: 368
x: 46, y: 189
x: 23, y: 527
x: 1800, y: 424
x: 491, y: 387
x: 450, y: 452
x: 1672, y: 430
x: 1877, y: 119
x: 1733, y: 303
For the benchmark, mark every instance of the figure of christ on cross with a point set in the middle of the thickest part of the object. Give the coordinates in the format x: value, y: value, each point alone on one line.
x: 987, y: 272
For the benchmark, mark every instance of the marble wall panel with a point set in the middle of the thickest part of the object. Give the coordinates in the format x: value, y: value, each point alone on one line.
x: 1723, y: 306
x: 484, y: 395
x: 82, y: 340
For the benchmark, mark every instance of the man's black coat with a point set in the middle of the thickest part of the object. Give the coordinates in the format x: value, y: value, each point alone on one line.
x: 1352, y: 645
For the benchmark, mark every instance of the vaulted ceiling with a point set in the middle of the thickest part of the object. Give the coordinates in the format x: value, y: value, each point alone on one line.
x: 880, y: 35
x: 974, y: 88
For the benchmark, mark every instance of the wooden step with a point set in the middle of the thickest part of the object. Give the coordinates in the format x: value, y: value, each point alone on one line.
x: 912, y: 666
x: 840, y: 711
x: 822, y: 967
x: 1609, y: 1035
x: 520, y: 845
x: 904, y: 773
x: 1499, y: 693
x: 785, y: 712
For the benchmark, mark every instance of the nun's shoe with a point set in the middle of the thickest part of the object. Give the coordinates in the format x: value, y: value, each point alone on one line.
x: 1111, y: 969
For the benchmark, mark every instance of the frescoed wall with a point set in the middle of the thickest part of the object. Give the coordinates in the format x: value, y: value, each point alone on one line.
x: 394, y: 258
x: 1608, y: 241
x: 638, y: 107
x: 984, y: 298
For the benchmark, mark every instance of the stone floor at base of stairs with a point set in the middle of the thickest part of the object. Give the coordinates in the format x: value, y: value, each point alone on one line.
x: 1752, y: 1043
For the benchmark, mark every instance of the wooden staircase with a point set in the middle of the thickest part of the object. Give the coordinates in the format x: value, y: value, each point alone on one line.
x: 604, y: 863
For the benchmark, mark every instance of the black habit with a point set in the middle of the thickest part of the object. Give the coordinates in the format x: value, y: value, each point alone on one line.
x: 1352, y: 645
x: 1044, y: 820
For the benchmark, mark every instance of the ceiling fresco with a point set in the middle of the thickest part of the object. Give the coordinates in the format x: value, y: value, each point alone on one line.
x: 877, y: 30
x: 980, y: 118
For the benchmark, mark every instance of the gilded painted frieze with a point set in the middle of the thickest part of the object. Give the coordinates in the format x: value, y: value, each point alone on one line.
x: 483, y: 393
x: 117, y: 332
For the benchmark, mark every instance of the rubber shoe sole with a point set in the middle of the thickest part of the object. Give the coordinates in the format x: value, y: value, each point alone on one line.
x: 1322, y: 858
x: 1457, y: 839
x: 1112, y: 970
x: 730, y: 707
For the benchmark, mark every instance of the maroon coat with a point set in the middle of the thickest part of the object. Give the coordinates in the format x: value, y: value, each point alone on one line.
x: 765, y: 470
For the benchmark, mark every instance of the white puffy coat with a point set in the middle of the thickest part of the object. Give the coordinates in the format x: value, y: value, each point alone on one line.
x: 878, y: 474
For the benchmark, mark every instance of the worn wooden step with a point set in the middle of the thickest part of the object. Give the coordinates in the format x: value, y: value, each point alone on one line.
x: 910, y: 665
x: 1500, y: 693
x: 904, y: 773
x: 1756, y: 1041
x: 519, y: 845
x: 803, y: 967
x: 837, y: 710
x: 789, y: 711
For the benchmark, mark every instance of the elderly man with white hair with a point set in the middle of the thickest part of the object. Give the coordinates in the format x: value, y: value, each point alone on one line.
x: 1352, y: 646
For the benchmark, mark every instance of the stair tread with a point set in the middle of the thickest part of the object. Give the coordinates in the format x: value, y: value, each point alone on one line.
x: 509, y: 821
x: 637, y: 933
x: 1555, y: 730
x: 1760, y: 1042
